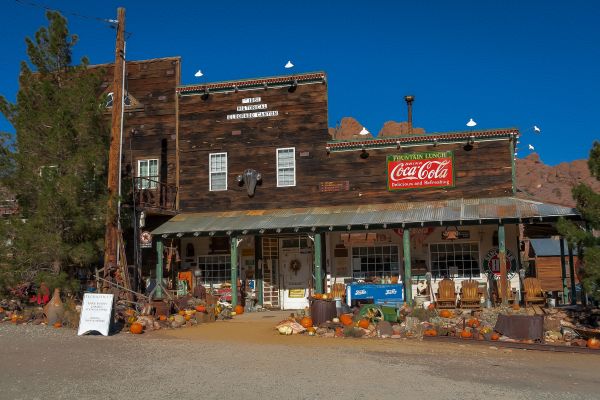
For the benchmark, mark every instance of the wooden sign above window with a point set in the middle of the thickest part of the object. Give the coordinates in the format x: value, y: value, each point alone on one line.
x: 340, y: 186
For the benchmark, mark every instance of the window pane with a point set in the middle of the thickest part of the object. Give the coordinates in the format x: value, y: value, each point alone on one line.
x: 286, y: 167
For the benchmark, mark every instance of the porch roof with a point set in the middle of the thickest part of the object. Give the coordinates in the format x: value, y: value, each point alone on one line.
x: 366, y: 216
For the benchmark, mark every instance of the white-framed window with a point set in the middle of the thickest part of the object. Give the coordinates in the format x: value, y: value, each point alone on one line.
x: 214, y: 269
x: 375, y: 261
x: 455, y: 260
x: 147, y: 172
x: 217, y: 177
x: 286, y: 167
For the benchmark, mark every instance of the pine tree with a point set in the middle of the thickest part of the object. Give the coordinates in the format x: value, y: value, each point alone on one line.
x: 588, y: 205
x: 58, y: 162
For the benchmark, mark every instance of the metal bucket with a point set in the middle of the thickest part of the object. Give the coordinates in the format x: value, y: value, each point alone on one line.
x: 322, y: 310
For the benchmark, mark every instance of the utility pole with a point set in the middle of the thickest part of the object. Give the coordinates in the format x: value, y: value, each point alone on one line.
x: 112, y: 223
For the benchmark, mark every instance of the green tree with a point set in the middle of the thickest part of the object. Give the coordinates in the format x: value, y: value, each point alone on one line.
x: 588, y: 204
x: 57, y: 160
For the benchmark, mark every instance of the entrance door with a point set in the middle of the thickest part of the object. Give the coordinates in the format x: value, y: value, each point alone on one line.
x: 296, y: 273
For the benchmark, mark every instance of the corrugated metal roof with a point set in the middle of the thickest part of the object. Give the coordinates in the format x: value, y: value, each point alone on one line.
x: 547, y: 247
x: 357, y: 216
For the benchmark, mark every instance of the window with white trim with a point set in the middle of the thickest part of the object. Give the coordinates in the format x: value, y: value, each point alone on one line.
x: 147, y: 173
x: 214, y: 269
x: 375, y: 261
x: 217, y: 172
x: 454, y: 260
x: 286, y: 167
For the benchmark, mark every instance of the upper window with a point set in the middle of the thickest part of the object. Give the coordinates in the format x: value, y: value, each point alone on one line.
x: 286, y: 167
x: 455, y: 260
x: 218, y: 171
x: 147, y: 173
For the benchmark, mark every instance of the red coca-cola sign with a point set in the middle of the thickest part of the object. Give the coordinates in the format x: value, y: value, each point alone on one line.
x: 431, y: 169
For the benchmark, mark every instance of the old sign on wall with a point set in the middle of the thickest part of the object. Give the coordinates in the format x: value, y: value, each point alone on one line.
x: 430, y: 169
x: 491, y: 262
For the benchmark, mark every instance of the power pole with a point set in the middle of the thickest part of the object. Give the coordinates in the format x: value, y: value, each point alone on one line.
x: 112, y: 222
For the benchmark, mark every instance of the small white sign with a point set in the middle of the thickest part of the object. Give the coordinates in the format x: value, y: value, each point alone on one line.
x: 248, y: 100
x: 95, y: 313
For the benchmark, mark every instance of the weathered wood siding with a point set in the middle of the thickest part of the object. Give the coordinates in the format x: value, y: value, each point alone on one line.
x: 302, y: 123
x: 549, y: 272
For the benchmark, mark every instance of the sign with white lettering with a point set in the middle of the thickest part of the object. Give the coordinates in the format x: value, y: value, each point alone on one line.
x: 431, y: 169
x: 252, y: 104
x: 95, y: 313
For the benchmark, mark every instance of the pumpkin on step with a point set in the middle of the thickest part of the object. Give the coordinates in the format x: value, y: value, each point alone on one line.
x: 239, y: 309
x: 136, y: 328
x: 306, y: 322
x: 466, y: 334
x: 445, y: 314
x: 346, y: 319
x: 430, y: 332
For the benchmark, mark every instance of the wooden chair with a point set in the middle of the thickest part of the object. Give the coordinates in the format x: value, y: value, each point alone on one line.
x: 497, y: 295
x: 469, y: 295
x: 533, y: 291
x: 446, y: 296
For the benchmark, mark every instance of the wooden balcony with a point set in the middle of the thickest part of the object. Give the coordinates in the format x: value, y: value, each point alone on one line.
x: 155, y: 197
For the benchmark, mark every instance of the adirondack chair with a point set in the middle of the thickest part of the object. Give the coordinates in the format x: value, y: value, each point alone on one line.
x: 497, y: 295
x: 446, y: 296
x: 533, y: 291
x: 469, y: 295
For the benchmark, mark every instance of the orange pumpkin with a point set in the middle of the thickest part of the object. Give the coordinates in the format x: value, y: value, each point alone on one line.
x: 130, y: 312
x: 445, y: 314
x: 136, y: 328
x: 363, y: 323
x: 473, y: 323
x: 318, y: 296
x: 187, y: 317
x: 181, y: 312
x: 1, y: 309
x: 593, y: 343
x: 495, y: 336
x: 306, y: 322
x: 311, y: 329
x: 516, y: 306
x: 239, y: 309
x: 339, y: 331
x: 14, y: 318
x: 346, y: 319
x: 57, y: 325
x: 430, y: 332
x: 162, y: 317
x: 466, y: 334
x: 431, y: 306
x: 201, y: 308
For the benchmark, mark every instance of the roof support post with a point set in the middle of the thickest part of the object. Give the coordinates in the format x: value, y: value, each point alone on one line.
x: 572, y: 275
x: 407, y: 267
x: 502, y: 259
x: 159, y: 268
x: 318, y: 263
x: 233, y: 242
x: 563, y: 270
x: 258, y: 269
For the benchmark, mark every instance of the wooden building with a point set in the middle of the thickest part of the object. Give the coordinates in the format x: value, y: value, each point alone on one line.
x: 547, y: 262
x: 244, y: 180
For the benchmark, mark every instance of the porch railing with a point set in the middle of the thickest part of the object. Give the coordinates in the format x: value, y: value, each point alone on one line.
x: 151, y: 193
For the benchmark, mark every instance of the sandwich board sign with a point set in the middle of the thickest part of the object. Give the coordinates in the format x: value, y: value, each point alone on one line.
x: 95, y: 313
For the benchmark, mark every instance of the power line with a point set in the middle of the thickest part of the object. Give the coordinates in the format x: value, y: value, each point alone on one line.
x: 34, y: 4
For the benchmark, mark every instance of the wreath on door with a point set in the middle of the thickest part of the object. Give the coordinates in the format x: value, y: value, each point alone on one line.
x: 295, y: 266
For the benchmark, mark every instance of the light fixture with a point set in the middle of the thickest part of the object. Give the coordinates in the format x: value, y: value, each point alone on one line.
x: 245, y: 231
x: 450, y: 234
x: 265, y: 86
x: 196, y: 234
x: 278, y: 230
x: 330, y: 228
x: 328, y: 150
x: 179, y: 234
x: 296, y: 229
x: 313, y: 228
x: 236, y: 89
x: 348, y: 227
x: 366, y: 226
x: 398, y: 145
x: 364, y: 154
x: 229, y: 233
x: 261, y: 231
x: 435, y: 142
x: 211, y: 234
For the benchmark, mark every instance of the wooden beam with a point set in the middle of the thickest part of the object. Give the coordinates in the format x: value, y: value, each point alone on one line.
x: 233, y: 243
x: 407, y: 267
x: 502, y: 259
x: 563, y: 270
x: 318, y: 263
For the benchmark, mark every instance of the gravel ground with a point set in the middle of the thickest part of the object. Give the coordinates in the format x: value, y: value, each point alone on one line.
x: 246, y: 359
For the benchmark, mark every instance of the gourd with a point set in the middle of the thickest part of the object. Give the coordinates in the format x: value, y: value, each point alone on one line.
x: 473, y: 323
x: 466, y: 334
x: 162, y: 317
x: 136, y: 328
x: 285, y: 330
x: 593, y: 343
x: 445, y: 314
x: 335, y: 320
x: 431, y: 306
x: 306, y: 322
x: 346, y: 319
x: 201, y: 308
x: 430, y: 332
x: 181, y: 312
x: 239, y: 309
x: 57, y: 325
x: 311, y: 331
x: 363, y: 323
x: 495, y: 336
x: 187, y: 317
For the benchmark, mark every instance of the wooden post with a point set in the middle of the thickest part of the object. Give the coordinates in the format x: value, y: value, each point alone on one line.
x: 318, y: 264
x: 407, y: 267
x: 502, y: 260
x: 233, y: 242
x: 572, y: 275
x: 563, y: 269
x: 159, y: 268
x: 258, y: 269
x: 110, y: 236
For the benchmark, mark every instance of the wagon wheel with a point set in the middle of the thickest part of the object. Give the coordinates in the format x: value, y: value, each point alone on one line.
x: 373, y: 313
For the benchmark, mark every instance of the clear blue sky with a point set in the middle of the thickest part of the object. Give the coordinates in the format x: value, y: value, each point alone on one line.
x: 503, y: 63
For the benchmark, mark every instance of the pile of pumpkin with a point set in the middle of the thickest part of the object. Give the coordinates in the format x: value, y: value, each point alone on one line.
x: 344, y: 326
x: 26, y: 316
x: 472, y: 329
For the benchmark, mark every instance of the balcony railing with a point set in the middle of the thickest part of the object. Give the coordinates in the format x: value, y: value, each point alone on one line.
x: 153, y: 194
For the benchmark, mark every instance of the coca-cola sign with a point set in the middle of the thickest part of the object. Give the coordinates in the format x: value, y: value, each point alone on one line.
x: 431, y: 169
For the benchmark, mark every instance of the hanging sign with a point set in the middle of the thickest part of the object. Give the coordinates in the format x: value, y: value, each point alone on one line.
x: 95, y: 313
x: 491, y: 262
x: 145, y: 240
x: 430, y: 169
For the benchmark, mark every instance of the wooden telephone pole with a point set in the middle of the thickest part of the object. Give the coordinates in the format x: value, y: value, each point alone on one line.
x: 111, y: 244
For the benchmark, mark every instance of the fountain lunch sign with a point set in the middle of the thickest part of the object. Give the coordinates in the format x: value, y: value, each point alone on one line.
x: 430, y: 169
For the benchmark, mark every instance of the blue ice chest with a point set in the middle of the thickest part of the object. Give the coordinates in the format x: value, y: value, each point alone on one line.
x: 387, y: 293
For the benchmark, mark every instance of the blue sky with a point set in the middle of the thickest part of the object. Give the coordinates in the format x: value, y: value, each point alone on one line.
x: 502, y: 63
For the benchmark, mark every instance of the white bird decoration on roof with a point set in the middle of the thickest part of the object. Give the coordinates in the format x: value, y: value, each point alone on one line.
x: 536, y: 129
x: 531, y: 147
x: 198, y: 74
x: 289, y: 65
x: 471, y: 123
x: 364, y: 131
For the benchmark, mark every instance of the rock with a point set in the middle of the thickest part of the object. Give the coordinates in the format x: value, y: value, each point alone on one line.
x: 384, y: 329
x: 55, y: 309
x: 551, y: 324
x: 180, y: 319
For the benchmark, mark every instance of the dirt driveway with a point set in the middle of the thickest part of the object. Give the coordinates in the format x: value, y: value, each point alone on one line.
x: 246, y: 359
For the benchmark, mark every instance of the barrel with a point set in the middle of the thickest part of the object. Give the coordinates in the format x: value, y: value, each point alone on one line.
x: 322, y: 310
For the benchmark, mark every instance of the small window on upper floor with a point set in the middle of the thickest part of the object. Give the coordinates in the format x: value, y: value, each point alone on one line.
x: 147, y: 173
x: 110, y: 100
x: 286, y: 167
x: 217, y: 172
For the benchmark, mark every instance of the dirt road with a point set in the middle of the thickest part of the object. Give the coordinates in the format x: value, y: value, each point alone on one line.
x: 246, y: 359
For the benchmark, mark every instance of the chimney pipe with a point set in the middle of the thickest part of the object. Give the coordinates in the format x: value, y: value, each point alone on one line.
x: 409, y: 99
